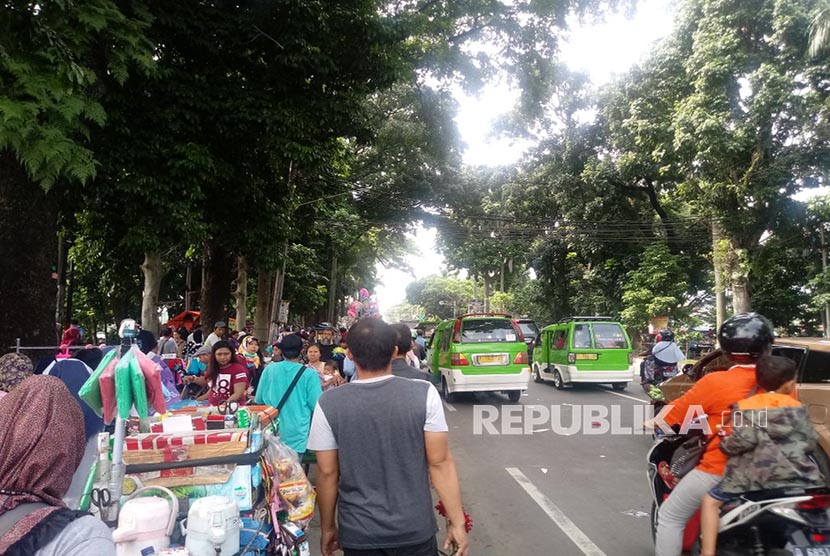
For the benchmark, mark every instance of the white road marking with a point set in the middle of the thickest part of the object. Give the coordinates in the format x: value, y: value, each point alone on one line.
x: 641, y: 400
x: 567, y: 526
x: 448, y: 406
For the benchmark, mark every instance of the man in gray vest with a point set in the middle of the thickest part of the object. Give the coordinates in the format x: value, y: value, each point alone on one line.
x: 378, y: 431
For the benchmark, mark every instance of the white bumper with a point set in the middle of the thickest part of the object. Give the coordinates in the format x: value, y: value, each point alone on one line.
x: 459, y: 382
x: 606, y: 377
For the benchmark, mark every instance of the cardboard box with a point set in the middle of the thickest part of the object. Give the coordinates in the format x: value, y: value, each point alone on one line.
x: 169, y: 447
x: 267, y: 414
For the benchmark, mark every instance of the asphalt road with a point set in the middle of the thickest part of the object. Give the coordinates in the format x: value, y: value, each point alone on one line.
x: 547, y: 492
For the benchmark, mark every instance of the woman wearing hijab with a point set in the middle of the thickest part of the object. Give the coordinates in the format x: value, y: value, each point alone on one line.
x: 249, y: 350
x: 41, y: 451
x: 14, y: 368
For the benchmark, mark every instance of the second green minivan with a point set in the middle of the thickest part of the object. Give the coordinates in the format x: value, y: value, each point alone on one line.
x: 583, y: 349
x: 479, y: 353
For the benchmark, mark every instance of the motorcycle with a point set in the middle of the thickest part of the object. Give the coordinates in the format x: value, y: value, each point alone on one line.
x: 781, y: 522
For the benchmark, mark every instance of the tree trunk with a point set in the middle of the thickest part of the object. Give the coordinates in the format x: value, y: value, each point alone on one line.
x: 501, y: 277
x: 241, y: 293
x: 741, y: 301
x: 60, y: 304
x: 332, y: 290
x: 739, y: 277
x: 263, y: 304
x: 216, y: 288
x: 486, y: 293
x: 153, y: 273
x: 718, y: 254
x: 28, y: 254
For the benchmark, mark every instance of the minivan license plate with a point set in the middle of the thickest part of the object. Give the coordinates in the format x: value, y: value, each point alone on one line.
x: 811, y: 551
x: 489, y: 359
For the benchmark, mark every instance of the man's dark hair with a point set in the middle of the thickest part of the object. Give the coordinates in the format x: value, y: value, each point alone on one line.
x: 404, y: 342
x: 166, y: 331
x: 773, y: 371
x: 146, y: 341
x: 372, y: 343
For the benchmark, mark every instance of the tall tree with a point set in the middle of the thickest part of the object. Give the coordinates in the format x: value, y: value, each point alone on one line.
x: 56, y: 59
x: 754, y: 130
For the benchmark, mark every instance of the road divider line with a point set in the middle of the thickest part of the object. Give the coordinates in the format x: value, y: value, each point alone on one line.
x: 448, y: 406
x: 636, y: 399
x: 553, y: 511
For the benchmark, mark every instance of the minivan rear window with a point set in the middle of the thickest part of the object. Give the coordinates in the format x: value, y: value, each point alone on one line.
x: 529, y: 329
x: 488, y: 330
x: 609, y: 336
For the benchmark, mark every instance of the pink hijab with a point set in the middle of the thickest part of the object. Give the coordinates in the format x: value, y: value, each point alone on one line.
x: 42, y: 442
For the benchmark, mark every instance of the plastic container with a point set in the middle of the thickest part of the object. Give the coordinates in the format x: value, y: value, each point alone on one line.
x: 143, y: 527
x: 212, y: 523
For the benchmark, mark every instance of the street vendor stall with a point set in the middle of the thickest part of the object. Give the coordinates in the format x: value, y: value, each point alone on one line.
x: 219, y: 477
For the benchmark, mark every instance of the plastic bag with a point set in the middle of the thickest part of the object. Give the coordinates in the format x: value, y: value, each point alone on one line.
x: 90, y: 392
x: 290, y: 482
x: 129, y: 386
x: 152, y: 382
x: 107, y: 388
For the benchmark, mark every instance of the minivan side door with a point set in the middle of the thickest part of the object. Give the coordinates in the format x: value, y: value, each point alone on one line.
x: 559, y: 347
x: 444, y: 346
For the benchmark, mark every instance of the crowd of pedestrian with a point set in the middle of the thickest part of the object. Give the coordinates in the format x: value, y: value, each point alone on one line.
x: 358, y: 398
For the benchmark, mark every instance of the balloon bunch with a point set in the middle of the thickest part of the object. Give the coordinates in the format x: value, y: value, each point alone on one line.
x: 364, y: 306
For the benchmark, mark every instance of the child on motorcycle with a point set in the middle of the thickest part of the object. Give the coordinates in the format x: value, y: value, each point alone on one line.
x: 768, y: 447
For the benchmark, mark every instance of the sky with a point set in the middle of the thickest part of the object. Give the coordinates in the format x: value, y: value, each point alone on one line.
x: 601, y: 50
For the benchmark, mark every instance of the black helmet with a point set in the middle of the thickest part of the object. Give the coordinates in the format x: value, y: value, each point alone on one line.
x: 746, y: 334
x: 666, y: 335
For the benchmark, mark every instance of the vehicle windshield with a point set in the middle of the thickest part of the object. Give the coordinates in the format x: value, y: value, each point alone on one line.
x: 479, y: 331
x: 609, y: 336
x: 529, y: 330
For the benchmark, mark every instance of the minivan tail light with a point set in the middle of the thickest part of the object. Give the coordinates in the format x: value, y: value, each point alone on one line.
x: 571, y: 358
x: 818, y: 502
x: 459, y: 360
x: 630, y: 357
x: 521, y: 358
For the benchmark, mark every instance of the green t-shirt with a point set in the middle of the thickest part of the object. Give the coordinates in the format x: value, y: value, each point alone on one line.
x: 295, y: 417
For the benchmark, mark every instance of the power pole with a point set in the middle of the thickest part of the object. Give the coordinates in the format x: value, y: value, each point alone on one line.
x: 717, y: 261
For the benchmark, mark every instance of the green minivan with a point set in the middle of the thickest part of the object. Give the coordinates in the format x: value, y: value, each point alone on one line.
x: 479, y: 353
x: 583, y: 349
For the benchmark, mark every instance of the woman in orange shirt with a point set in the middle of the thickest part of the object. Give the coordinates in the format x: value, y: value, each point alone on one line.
x: 744, y: 338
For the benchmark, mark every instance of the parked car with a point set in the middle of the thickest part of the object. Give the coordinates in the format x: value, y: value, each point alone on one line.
x: 812, y: 355
x: 480, y: 352
x: 583, y: 349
